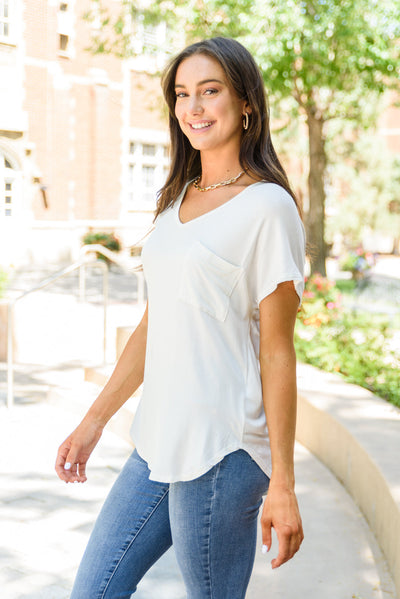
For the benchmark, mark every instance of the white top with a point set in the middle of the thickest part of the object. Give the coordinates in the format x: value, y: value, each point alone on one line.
x: 202, y: 394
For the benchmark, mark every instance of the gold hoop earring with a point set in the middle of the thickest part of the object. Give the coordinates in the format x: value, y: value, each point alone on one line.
x: 246, y: 121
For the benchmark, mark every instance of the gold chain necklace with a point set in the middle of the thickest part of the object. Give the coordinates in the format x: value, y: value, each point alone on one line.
x: 215, y: 185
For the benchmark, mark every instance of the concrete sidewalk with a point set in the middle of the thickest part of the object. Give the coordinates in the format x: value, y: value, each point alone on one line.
x: 45, y: 523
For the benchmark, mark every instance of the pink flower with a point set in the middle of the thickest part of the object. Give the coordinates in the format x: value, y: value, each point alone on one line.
x: 331, y: 305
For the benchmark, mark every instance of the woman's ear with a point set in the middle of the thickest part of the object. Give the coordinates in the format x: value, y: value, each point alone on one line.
x: 247, y: 108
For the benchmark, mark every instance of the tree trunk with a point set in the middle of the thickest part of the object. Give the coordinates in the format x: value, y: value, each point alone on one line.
x: 316, y: 215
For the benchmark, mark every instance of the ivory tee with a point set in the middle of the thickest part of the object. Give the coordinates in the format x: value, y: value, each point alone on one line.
x: 205, y: 278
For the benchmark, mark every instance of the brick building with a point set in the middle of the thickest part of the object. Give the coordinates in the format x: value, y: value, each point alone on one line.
x: 83, y: 141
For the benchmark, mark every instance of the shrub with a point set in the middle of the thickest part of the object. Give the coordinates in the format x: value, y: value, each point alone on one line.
x: 357, y: 262
x: 108, y: 240
x: 354, y: 344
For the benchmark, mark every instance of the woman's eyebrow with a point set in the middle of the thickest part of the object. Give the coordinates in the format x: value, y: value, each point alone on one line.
x: 202, y: 82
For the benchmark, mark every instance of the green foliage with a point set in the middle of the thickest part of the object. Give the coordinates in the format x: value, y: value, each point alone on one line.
x: 108, y: 34
x: 346, y: 286
x: 356, y: 345
x: 3, y: 282
x: 108, y: 240
x: 326, y: 53
x: 365, y: 186
x: 323, y: 53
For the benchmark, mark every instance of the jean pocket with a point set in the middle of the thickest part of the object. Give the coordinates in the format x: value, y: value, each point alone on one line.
x: 207, y: 281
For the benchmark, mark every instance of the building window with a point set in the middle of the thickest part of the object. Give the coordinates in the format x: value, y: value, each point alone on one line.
x: 147, y: 170
x: 7, y: 187
x: 5, y: 19
x: 131, y: 174
x: 63, y: 6
x: 150, y: 44
x: 63, y: 42
x: 149, y: 150
x: 8, y: 198
x: 149, y: 176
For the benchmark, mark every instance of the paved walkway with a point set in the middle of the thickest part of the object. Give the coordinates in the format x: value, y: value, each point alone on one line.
x: 44, y: 524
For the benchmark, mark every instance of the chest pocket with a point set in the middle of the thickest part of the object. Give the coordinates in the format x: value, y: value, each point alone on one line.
x: 207, y: 281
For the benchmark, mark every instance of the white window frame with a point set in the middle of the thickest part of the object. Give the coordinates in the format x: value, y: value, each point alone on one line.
x: 139, y: 196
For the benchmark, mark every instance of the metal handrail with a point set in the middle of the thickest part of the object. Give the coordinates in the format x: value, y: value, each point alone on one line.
x: 11, y: 307
x: 131, y: 266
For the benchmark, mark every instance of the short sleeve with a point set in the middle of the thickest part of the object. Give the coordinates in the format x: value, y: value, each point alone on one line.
x: 279, y: 249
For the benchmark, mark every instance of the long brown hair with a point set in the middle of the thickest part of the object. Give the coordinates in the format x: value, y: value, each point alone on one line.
x: 257, y: 154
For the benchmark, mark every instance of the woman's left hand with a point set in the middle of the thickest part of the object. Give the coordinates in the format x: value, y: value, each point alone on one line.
x: 281, y: 512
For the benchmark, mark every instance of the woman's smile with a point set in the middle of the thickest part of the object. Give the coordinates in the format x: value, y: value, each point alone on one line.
x: 201, y: 126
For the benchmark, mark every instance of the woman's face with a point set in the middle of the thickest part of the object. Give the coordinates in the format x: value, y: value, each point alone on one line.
x: 208, y: 110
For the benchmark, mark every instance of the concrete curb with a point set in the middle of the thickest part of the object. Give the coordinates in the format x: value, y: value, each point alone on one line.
x: 357, y: 436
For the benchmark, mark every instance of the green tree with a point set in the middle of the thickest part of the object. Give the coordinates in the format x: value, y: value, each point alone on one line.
x: 331, y: 58
x: 365, y: 176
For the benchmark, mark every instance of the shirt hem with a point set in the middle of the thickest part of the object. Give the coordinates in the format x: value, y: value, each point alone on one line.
x: 157, y: 476
x: 261, y: 461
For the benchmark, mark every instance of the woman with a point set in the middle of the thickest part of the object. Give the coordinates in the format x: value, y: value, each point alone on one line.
x: 215, y: 426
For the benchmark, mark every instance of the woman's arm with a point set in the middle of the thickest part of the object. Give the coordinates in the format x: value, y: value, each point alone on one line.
x: 278, y: 375
x: 75, y: 451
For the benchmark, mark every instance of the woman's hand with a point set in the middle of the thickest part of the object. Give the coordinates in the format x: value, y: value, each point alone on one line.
x: 76, y: 450
x: 281, y: 512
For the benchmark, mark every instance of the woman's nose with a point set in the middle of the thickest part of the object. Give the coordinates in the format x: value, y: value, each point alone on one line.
x: 195, y: 105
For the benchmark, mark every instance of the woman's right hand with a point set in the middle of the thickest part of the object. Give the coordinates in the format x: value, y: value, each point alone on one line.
x: 75, y: 451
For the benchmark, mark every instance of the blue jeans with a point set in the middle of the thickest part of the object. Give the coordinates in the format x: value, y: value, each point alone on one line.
x: 211, y: 521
